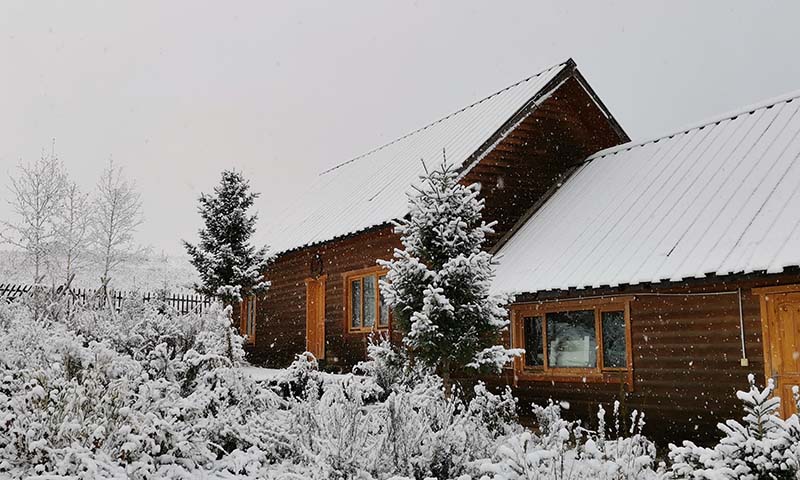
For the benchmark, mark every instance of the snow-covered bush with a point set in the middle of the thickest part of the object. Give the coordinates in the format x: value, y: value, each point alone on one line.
x: 416, y: 432
x: 302, y: 379
x: 147, y: 393
x: 161, y: 396
x: 763, y: 447
x: 389, y: 367
x: 562, y: 450
x: 80, y: 397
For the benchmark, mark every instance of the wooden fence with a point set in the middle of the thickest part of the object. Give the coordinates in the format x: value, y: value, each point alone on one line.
x: 183, y: 303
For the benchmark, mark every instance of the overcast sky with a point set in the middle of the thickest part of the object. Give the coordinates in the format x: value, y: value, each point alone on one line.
x: 178, y: 91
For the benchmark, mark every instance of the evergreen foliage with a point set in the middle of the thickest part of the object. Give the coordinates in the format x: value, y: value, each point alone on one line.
x: 438, y: 284
x: 763, y: 447
x: 230, y: 267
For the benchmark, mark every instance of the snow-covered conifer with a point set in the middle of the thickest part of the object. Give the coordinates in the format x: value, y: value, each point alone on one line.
x: 759, y: 448
x: 230, y: 267
x: 438, y: 284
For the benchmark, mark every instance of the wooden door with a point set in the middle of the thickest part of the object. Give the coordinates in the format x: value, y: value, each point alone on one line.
x: 315, y: 316
x: 782, y: 344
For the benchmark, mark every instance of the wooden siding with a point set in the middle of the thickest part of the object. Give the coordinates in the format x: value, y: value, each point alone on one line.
x: 537, y: 154
x: 686, y: 356
x: 281, y: 325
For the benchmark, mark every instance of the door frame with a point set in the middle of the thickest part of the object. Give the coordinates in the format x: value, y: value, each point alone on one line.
x: 320, y: 327
x: 767, y: 312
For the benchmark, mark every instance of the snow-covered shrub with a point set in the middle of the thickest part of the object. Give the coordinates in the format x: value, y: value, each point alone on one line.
x: 417, y: 432
x: 561, y: 450
x: 302, y: 379
x: 88, y: 402
x: 389, y: 367
x: 148, y: 393
x: 763, y: 447
x: 435, y: 435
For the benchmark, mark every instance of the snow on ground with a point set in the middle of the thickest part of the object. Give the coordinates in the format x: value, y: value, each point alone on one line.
x: 261, y: 374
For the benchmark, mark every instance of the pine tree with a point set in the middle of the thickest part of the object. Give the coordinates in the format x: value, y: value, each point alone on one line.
x: 230, y: 267
x: 438, y: 284
x: 759, y: 448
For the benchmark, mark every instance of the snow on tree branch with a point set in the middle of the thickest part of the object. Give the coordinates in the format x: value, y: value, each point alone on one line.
x: 230, y: 267
x: 116, y: 215
x: 36, y: 195
x: 438, y: 284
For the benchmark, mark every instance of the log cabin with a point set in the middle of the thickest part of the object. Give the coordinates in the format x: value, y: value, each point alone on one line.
x: 655, y: 273
x: 517, y: 143
x: 662, y: 272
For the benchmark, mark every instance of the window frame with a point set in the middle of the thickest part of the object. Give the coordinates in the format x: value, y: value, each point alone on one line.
x: 597, y: 374
x: 347, y: 279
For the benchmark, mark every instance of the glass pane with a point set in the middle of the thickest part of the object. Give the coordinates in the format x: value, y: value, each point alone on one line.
x: 383, y: 320
x: 571, y: 339
x: 355, y: 311
x: 534, y: 348
x: 614, y: 341
x: 370, y: 289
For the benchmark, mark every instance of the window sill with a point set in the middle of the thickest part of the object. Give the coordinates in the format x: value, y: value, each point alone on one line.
x: 607, y: 377
x: 368, y: 330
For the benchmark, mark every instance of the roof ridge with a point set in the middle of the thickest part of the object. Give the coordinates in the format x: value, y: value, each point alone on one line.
x: 730, y: 115
x: 435, y: 122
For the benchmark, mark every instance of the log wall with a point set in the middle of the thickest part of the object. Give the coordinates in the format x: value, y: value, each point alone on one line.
x: 280, y: 326
x: 686, y: 360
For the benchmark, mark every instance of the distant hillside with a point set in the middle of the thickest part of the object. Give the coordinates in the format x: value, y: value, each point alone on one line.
x: 145, y: 273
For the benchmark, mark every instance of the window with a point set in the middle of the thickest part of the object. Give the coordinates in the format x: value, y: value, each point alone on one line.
x: 534, y: 348
x: 574, y: 341
x: 247, y: 322
x: 614, y: 340
x: 571, y: 339
x: 366, y: 306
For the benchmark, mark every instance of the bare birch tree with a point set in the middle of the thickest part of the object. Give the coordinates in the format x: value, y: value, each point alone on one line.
x: 117, y: 213
x: 72, y: 231
x: 36, y: 197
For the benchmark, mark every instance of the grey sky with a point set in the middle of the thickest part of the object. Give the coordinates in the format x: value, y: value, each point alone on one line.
x: 177, y: 91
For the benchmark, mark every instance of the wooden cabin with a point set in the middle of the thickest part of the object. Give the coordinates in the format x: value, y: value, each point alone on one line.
x: 655, y: 273
x: 662, y: 272
x: 518, y: 143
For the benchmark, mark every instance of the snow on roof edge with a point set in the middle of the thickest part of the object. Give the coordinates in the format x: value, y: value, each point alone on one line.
x: 660, y: 283
x: 312, y: 243
x: 731, y: 114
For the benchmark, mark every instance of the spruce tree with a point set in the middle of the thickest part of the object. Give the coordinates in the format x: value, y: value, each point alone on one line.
x: 438, y: 284
x: 230, y: 267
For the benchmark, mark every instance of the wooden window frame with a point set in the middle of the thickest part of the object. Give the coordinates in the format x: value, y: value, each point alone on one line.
x: 598, y: 374
x: 347, y: 279
x: 244, y: 317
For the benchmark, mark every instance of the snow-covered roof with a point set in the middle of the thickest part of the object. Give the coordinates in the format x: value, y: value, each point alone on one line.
x: 719, y: 198
x: 370, y: 189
